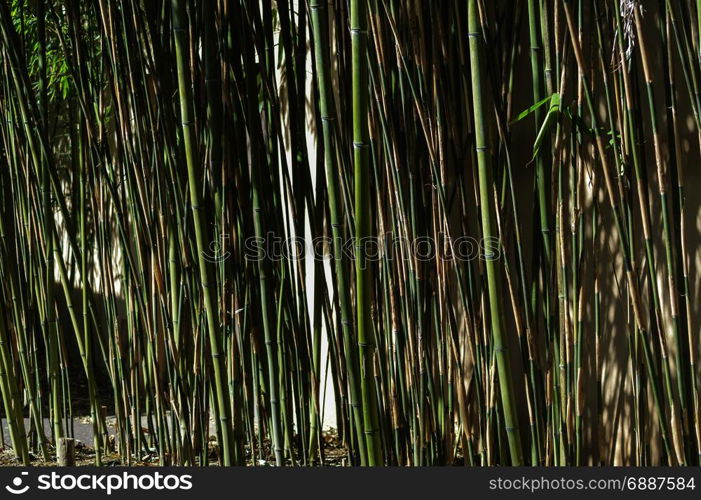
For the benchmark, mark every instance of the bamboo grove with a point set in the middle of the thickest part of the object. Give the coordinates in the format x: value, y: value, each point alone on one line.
x: 150, y: 147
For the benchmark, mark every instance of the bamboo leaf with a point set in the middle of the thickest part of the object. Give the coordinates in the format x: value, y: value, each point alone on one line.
x: 553, y: 111
x: 523, y: 114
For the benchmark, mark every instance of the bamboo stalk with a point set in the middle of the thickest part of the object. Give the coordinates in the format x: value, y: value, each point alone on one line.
x: 206, y: 275
x: 495, y: 298
x: 363, y: 231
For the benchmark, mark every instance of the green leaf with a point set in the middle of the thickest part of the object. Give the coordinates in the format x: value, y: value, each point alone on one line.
x: 553, y: 111
x: 531, y: 109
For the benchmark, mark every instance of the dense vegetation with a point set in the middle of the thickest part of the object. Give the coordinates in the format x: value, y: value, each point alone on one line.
x: 152, y: 148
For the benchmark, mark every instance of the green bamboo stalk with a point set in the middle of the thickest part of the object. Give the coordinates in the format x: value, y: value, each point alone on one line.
x: 206, y: 273
x: 326, y: 109
x: 265, y: 280
x: 537, y: 76
x: 85, y: 327
x: 500, y: 340
x: 363, y: 230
